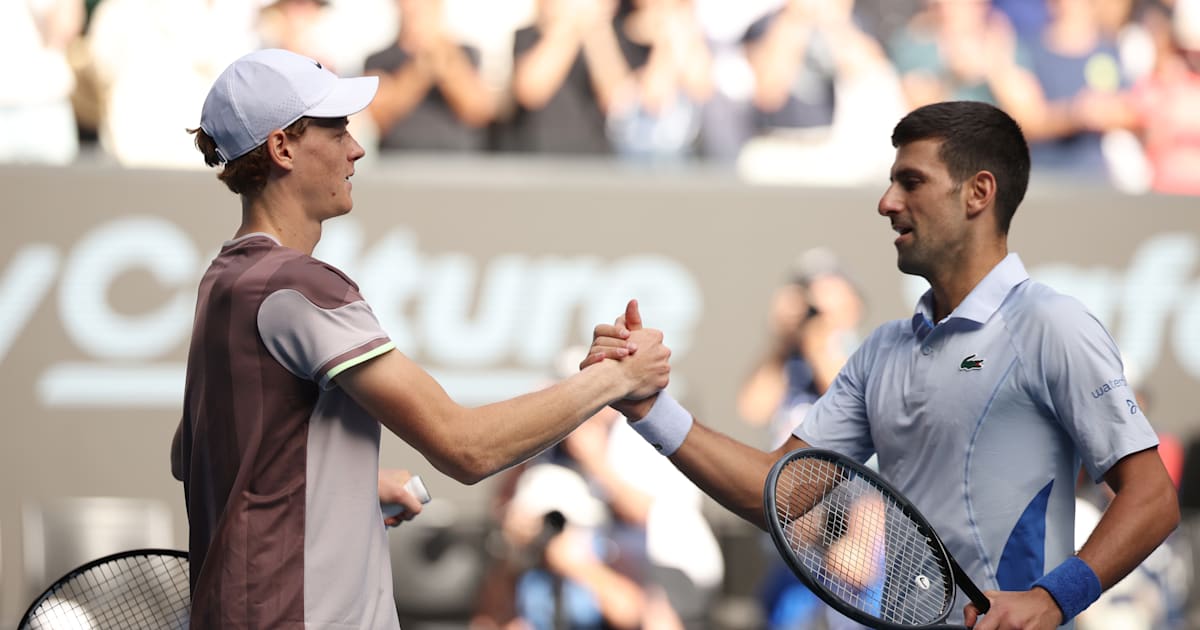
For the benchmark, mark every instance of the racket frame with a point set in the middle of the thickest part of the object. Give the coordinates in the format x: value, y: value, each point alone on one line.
x: 56, y: 585
x: 958, y: 577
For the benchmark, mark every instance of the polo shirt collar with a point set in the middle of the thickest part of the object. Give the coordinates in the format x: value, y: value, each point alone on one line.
x: 246, y: 237
x: 983, y: 301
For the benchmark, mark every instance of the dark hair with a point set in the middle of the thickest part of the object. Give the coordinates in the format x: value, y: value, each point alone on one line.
x: 246, y: 175
x: 975, y: 137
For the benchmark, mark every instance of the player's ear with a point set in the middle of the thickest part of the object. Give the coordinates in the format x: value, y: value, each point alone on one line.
x: 281, y: 149
x: 979, y: 192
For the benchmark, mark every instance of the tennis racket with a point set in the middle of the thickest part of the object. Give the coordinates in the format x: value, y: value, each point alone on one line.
x: 415, y: 487
x: 143, y: 589
x: 860, y: 545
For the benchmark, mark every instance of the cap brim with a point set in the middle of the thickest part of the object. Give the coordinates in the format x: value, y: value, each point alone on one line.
x: 349, y: 96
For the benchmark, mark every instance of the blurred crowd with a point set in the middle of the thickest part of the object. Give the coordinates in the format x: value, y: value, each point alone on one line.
x: 796, y: 91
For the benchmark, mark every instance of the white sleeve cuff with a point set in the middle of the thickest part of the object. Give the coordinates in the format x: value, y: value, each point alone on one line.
x: 666, y: 426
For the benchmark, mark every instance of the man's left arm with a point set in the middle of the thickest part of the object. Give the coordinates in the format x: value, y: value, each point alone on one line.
x: 1115, y: 441
x: 1077, y: 358
x: 1144, y: 511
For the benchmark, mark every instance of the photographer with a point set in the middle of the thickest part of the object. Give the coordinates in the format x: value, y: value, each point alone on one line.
x: 600, y: 531
x: 814, y: 318
x: 551, y: 569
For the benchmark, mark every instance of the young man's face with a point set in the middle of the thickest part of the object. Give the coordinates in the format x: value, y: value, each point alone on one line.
x: 327, y: 153
x: 925, y: 208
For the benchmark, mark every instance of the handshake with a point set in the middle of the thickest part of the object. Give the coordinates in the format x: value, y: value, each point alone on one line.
x: 643, y: 360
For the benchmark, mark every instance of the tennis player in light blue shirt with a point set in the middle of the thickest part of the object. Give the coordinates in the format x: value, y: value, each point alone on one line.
x: 982, y: 419
x: 981, y: 408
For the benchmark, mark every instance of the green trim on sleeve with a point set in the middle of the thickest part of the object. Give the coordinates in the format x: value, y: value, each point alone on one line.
x: 327, y: 381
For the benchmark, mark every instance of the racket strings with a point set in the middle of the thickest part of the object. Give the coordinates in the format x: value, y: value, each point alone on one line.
x: 135, y: 592
x: 860, y: 544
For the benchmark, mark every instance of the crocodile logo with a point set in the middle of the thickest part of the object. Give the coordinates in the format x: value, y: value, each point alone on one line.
x: 971, y: 363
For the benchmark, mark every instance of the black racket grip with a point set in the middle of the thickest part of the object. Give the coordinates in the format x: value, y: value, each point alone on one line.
x: 964, y: 582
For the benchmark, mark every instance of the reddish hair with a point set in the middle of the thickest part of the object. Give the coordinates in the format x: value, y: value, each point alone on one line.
x: 246, y: 175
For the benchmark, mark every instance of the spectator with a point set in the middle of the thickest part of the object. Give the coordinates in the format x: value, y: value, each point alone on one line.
x: 665, y: 542
x: 1166, y: 101
x: 792, y: 55
x: 728, y: 117
x: 657, y: 115
x: 294, y: 25
x: 154, y: 62
x: 37, y: 124
x: 884, y: 18
x: 964, y: 50
x: 636, y: 551
x: 1028, y: 17
x: 431, y: 95
x: 560, y: 560
x: 567, y: 70
x: 557, y: 556
x: 824, y: 89
x: 1123, y: 23
x: 814, y: 319
x: 1078, y: 69
x: 338, y: 33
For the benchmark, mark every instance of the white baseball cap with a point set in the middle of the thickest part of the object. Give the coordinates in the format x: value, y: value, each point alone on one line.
x: 270, y: 89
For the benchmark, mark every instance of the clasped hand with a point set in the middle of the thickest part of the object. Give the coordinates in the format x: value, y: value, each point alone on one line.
x: 627, y: 341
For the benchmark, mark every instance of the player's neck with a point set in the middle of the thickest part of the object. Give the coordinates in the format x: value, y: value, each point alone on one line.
x: 955, y: 282
x: 284, y: 221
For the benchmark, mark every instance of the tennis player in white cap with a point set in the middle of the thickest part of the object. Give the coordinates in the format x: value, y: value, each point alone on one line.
x: 290, y: 377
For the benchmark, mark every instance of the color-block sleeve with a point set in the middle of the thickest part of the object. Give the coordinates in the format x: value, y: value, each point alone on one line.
x: 838, y: 419
x: 1079, y: 373
x: 318, y: 331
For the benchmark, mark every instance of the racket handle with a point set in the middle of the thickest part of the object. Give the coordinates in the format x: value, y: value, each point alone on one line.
x: 964, y: 582
x: 413, y: 486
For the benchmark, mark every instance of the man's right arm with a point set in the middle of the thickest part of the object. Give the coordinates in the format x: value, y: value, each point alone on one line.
x: 470, y: 444
x: 727, y: 470
x: 401, y: 91
x: 541, y: 68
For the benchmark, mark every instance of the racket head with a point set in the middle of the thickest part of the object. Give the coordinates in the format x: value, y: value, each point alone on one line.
x: 140, y: 588
x: 856, y: 542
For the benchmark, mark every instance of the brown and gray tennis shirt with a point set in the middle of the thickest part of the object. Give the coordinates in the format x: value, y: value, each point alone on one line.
x: 279, y: 465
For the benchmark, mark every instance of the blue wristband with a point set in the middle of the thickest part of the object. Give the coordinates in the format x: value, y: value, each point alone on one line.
x: 1073, y: 585
x: 666, y: 426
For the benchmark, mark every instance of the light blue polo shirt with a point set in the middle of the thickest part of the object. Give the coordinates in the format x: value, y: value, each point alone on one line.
x: 983, y: 419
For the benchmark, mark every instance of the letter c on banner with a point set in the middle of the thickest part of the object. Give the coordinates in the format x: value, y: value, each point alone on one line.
x: 150, y: 244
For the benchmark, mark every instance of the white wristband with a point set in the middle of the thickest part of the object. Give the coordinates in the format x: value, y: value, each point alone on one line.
x: 666, y: 426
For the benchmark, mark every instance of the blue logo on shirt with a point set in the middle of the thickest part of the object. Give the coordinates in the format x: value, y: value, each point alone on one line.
x: 1108, y: 387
